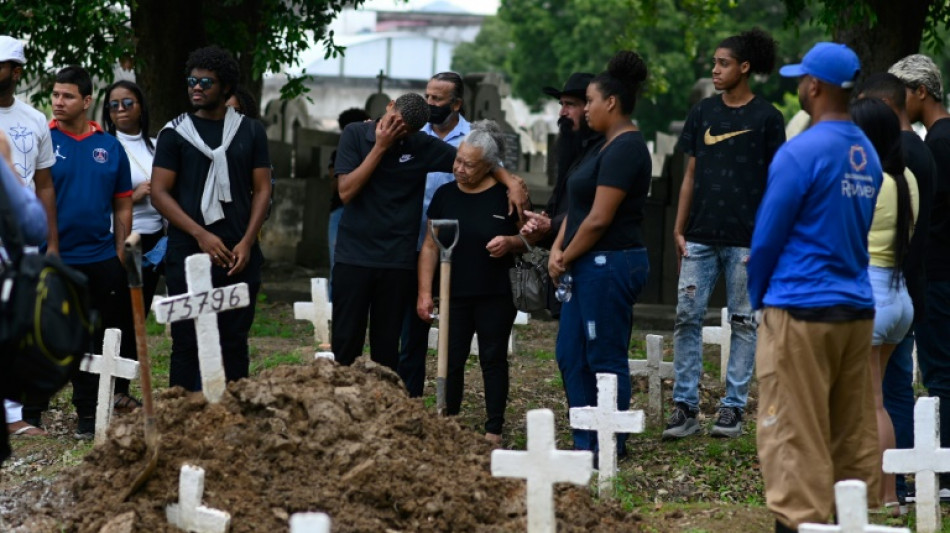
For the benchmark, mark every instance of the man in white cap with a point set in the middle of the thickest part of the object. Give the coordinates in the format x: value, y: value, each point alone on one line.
x: 32, y: 157
x: 809, y: 285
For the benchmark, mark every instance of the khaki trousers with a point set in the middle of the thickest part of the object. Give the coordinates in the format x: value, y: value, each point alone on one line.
x: 816, y: 421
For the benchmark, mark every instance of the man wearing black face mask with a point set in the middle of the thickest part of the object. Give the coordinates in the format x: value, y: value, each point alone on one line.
x: 575, y: 141
x: 444, y: 94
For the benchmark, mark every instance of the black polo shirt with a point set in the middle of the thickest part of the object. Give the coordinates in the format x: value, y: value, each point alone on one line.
x: 380, y: 225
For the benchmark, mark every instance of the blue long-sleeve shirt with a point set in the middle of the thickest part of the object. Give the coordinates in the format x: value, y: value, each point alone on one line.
x: 809, y: 248
x: 27, y: 209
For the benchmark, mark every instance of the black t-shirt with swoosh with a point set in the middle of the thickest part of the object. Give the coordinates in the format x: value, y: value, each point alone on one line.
x: 380, y: 225
x: 733, y: 147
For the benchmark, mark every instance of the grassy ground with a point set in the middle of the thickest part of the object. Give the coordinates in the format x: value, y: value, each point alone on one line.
x: 695, y: 485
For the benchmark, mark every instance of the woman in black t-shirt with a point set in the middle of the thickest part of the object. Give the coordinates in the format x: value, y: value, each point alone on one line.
x: 599, y: 256
x: 481, y: 293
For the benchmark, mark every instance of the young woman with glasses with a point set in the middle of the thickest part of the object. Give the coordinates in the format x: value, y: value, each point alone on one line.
x: 125, y: 115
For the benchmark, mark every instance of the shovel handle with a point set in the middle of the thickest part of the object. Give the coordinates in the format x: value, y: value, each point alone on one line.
x: 435, y: 225
x: 133, y: 259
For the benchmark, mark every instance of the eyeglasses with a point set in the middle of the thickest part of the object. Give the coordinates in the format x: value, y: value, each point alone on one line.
x: 205, y: 83
x: 126, y: 103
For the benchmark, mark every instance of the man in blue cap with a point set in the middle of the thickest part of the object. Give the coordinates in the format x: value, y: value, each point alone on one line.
x: 808, y: 283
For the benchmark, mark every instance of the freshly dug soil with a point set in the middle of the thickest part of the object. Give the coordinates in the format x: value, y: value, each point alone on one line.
x: 320, y: 437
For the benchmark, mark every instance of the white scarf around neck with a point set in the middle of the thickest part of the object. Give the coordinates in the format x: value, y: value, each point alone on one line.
x: 217, y: 187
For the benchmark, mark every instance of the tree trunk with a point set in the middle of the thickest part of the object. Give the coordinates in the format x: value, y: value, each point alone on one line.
x: 166, y: 32
x: 898, y: 32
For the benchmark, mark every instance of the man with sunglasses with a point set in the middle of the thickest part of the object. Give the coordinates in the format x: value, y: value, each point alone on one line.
x: 205, y: 220
x: 31, y: 154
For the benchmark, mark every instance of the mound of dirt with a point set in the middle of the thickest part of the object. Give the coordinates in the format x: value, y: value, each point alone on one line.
x: 345, y: 441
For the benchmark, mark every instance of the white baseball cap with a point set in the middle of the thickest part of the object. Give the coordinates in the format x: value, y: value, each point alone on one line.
x: 11, y: 50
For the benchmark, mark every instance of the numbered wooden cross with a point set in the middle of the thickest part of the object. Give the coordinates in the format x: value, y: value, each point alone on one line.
x: 202, y: 304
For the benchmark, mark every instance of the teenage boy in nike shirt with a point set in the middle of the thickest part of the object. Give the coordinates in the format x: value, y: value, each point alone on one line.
x: 730, y: 138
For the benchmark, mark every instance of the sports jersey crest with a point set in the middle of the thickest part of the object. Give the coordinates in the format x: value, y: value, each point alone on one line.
x: 100, y: 155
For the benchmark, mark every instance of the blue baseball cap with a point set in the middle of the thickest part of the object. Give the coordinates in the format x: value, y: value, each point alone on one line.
x: 831, y: 63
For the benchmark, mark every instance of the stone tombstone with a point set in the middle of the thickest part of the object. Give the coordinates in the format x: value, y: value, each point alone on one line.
x: 486, y: 105
x: 376, y: 104
x: 281, y: 158
x: 313, y: 149
x: 282, y: 232
x: 282, y: 118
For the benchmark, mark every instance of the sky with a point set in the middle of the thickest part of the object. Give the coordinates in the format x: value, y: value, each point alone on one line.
x: 482, y: 7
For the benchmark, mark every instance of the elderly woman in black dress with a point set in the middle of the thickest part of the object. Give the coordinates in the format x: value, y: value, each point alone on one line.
x: 481, y: 293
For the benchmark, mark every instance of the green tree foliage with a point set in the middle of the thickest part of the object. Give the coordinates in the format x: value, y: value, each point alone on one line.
x: 553, y: 38
x: 489, y: 50
x: 880, y: 31
x: 155, y: 36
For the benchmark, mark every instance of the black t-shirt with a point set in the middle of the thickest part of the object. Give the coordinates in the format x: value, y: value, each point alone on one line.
x: 624, y: 164
x: 482, y: 216
x: 380, y: 225
x: 937, y: 257
x: 921, y: 163
x: 733, y: 147
x: 247, y: 151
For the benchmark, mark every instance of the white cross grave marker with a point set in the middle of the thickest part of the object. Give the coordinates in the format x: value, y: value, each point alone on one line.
x: 202, y: 304
x: 607, y: 421
x: 309, y: 523
x: 925, y: 460
x: 317, y: 311
x: 851, y: 502
x: 721, y: 335
x: 109, y: 366
x: 656, y: 371
x: 542, y: 465
x: 188, y: 513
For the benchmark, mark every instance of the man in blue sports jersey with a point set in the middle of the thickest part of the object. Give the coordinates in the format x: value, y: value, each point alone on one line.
x: 93, y: 186
x: 808, y: 283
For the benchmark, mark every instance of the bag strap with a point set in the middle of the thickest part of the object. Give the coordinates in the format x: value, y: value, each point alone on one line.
x: 9, y: 228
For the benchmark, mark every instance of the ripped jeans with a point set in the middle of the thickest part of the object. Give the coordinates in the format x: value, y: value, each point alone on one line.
x: 594, y: 333
x: 698, y: 274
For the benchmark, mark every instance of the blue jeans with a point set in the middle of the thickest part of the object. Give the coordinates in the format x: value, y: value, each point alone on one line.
x: 893, y: 310
x: 333, y: 227
x: 594, y: 333
x: 898, y: 391
x: 698, y: 274
x: 933, y: 351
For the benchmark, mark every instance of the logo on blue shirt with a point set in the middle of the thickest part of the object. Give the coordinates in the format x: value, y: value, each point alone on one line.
x: 405, y: 157
x: 859, y: 159
x: 100, y: 155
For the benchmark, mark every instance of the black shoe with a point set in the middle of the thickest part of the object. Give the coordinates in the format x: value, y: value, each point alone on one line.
x: 85, y: 428
x: 729, y: 424
x: 682, y: 423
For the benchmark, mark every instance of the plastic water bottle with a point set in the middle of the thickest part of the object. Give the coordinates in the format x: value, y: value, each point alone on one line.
x: 563, y: 292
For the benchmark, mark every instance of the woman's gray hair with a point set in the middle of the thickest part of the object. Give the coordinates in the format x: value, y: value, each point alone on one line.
x: 487, y: 135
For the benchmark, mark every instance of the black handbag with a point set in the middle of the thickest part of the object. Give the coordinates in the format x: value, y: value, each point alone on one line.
x: 46, y: 325
x: 529, y: 280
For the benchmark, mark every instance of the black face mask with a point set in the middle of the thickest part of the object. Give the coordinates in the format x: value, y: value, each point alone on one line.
x: 439, y: 114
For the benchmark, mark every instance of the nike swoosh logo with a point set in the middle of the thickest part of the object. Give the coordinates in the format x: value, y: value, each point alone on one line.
x: 710, y: 139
